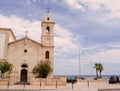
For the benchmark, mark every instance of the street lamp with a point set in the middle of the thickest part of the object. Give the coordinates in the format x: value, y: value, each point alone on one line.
x: 91, y: 66
x: 81, y: 52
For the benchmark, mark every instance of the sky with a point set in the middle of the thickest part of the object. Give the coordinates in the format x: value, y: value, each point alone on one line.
x: 86, y: 31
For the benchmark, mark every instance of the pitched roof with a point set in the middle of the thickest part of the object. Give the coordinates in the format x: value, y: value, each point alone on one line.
x: 24, y: 39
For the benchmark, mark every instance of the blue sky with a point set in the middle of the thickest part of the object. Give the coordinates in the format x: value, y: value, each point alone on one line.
x: 89, y: 26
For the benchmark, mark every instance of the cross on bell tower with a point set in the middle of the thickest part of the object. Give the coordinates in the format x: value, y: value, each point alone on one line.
x: 48, y: 10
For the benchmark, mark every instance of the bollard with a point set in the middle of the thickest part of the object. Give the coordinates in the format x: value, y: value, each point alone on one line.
x: 72, y: 84
x: 88, y: 83
x: 8, y: 84
x: 40, y: 84
x: 56, y: 84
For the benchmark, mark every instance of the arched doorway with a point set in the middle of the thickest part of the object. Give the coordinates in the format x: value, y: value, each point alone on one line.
x: 23, y: 76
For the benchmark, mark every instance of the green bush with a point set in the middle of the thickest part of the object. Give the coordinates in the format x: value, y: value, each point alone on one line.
x: 42, y: 70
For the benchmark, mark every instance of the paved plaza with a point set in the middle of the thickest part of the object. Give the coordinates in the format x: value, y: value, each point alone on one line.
x: 79, y: 86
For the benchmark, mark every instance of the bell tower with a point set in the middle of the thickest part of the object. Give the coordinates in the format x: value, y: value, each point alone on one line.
x: 47, y: 37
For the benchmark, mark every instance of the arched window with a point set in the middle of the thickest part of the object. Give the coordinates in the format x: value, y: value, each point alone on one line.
x: 47, y: 29
x: 24, y: 66
x: 47, y: 54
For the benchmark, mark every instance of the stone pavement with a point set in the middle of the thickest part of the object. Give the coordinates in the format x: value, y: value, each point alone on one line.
x: 79, y: 86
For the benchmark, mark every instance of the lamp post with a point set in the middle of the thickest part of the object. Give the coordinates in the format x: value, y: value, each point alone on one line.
x: 79, y: 64
x: 80, y: 53
x: 91, y: 66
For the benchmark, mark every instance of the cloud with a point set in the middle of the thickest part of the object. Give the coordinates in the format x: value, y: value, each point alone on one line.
x: 112, y: 6
x: 19, y: 26
x: 73, y: 4
x: 110, y: 56
x: 64, y: 39
x: 110, y: 9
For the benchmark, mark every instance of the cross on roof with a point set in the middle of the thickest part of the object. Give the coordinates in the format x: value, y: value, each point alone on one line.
x: 26, y: 33
x: 48, y: 9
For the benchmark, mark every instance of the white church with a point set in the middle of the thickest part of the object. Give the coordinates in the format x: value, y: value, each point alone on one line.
x: 25, y: 53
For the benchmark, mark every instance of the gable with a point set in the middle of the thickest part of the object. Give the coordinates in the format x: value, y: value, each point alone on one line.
x: 25, y: 41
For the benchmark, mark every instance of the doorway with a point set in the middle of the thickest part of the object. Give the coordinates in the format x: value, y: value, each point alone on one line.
x: 23, y: 76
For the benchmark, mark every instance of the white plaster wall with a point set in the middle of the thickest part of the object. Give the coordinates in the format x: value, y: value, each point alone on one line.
x: 2, y: 43
x: 11, y: 38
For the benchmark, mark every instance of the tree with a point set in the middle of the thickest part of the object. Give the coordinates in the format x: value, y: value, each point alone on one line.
x: 100, y: 69
x: 42, y: 70
x: 5, y: 67
x: 96, y: 66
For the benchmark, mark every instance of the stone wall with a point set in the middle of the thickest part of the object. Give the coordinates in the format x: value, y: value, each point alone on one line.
x: 3, y: 82
x: 59, y: 81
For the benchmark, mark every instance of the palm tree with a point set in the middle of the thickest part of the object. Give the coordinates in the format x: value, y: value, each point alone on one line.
x: 100, y: 69
x: 96, y: 66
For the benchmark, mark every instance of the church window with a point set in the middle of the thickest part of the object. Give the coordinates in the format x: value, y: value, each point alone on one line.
x: 47, y: 29
x: 47, y: 54
x: 25, y: 51
x: 48, y: 18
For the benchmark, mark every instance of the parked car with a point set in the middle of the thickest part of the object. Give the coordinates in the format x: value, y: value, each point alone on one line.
x: 114, y: 79
x: 95, y: 78
x: 71, y: 79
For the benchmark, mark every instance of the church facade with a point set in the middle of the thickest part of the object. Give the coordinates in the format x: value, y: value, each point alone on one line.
x: 25, y: 53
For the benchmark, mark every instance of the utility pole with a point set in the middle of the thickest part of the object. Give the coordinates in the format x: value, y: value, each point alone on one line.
x: 79, y: 64
x: 81, y: 52
x: 91, y: 66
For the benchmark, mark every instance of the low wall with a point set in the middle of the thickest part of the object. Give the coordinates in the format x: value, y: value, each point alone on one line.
x: 3, y: 82
x: 59, y: 81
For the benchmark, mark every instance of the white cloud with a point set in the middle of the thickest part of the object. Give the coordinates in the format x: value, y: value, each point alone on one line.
x: 64, y: 39
x: 110, y: 56
x: 112, y: 5
x: 19, y: 26
x: 73, y: 4
x: 97, y: 4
